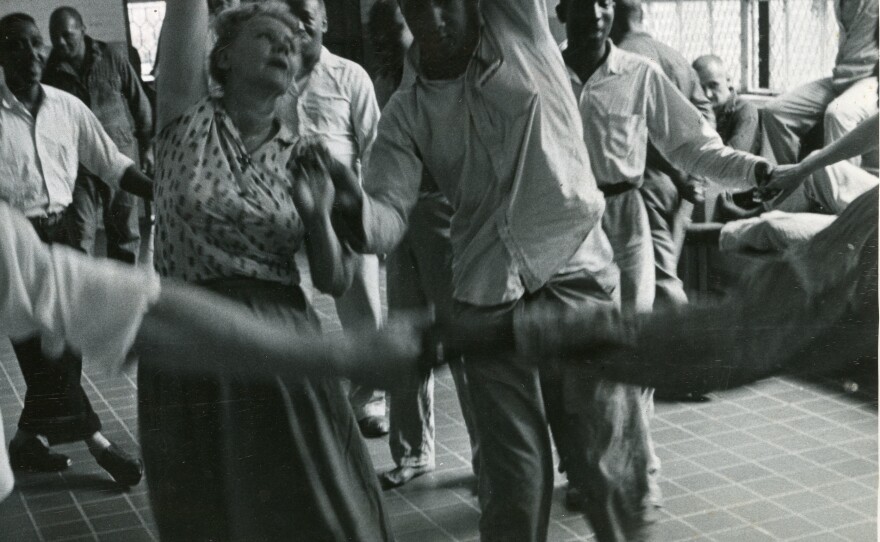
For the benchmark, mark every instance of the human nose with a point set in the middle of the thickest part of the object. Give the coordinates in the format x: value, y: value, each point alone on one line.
x: 32, y: 51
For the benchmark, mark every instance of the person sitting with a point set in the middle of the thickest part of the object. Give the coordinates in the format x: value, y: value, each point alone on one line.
x: 840, y: 101
x: 829, y: 184
x: 736, y: 120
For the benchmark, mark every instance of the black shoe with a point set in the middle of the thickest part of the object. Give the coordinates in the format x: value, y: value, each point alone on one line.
x: 373, y: 426
x: 401, y: 475
x: 126, y: 470
x: 33, y: 455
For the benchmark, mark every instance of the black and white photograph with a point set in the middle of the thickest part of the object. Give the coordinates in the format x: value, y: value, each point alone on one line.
x: 439, y: 270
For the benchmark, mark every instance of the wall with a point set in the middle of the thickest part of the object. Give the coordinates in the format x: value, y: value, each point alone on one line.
x: 105, y: 19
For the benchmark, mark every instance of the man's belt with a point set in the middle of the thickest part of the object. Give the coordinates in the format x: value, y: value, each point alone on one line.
x: 48, y: 221
x: 616, y: 189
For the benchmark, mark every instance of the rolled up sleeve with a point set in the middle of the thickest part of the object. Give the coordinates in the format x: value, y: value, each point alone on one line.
x: 391, y: 184
x: 687, y: 140
x: 95, y: 149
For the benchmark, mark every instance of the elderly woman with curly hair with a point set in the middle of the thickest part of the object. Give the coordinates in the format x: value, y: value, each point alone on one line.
x: 233, y: 458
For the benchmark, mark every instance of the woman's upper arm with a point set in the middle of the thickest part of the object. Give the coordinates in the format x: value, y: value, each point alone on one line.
x: 181, y: 78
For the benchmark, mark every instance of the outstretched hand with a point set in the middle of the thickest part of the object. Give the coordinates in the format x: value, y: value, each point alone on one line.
x: 786, y: 179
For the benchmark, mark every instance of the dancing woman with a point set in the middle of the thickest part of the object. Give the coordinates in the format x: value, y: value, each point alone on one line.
x: 230, y: 458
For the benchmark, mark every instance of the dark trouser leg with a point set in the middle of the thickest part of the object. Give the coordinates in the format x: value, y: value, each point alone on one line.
x: 516, y: 465
x: 82, y: 213
x: 121, y: 225
x: 55, y: 404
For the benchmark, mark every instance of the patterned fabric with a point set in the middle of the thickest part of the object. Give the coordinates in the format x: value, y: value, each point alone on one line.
x: 220, y: 211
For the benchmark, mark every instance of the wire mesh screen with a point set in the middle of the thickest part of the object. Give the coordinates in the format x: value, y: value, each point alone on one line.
x: 803, y: 41
x: 144, y: 22
x: 766, y: 44
x: 771, y: 47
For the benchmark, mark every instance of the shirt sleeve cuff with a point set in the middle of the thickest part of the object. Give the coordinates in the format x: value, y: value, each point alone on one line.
x: 102, y: 305
x: 120, y: 164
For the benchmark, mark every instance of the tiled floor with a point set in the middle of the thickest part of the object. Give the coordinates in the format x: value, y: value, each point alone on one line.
x: 781, y: 460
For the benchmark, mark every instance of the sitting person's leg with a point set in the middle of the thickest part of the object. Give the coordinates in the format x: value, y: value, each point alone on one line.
x: 845, y: 112
x: 834, y: 187
x: 788, y: 117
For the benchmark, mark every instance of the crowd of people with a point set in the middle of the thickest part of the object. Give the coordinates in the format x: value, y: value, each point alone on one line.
x: 532, y: 200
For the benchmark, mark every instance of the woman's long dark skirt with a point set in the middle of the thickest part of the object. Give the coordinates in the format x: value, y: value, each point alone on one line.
x: 228, y: 459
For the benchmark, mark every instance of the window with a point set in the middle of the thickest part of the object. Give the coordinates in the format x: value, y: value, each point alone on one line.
x: 144, y: 24
x: 768, y: 45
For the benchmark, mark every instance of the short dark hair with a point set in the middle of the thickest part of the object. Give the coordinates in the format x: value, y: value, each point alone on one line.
x: 10, y: 21
x: 65, y: 12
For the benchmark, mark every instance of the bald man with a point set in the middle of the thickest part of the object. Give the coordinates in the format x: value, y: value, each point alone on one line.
x: 737, y: 120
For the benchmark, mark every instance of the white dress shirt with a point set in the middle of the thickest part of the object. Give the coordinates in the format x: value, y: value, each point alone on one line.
x: 336, y: 103
x: 39, y: 156
x: 627, y: 101
x: 505, y: 146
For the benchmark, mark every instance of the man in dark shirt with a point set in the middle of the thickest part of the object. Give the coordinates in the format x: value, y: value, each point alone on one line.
x: 101, y: 76
x: 664, y: 187
x: 738, y: 122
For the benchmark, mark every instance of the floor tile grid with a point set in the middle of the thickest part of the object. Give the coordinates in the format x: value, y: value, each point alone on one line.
x: 102, y: 406
x: 144, y: 517
x: 735, y: 482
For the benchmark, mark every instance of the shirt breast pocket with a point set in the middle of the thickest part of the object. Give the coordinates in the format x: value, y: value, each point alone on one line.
x: 327, y: 116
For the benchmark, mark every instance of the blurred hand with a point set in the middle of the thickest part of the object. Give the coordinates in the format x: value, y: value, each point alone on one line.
x: 694, y: 191
x: 382, y: 357
x: 786, y: 178
x: 313, y: 189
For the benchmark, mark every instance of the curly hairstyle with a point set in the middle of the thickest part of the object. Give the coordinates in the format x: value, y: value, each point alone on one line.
x: 230, y: 22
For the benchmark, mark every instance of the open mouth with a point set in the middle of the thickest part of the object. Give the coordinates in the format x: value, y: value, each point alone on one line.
x: 278, y: 64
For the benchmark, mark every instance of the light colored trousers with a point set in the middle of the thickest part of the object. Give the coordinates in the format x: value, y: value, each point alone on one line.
x: 633, y: 236
x: 361, y: 305
x: 607, y: 441
x: 420, y: 278
x: 787, y: 118
x: 668, y: 217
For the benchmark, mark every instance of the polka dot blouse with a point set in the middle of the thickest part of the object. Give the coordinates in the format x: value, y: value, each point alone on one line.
x: 222, y: 212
